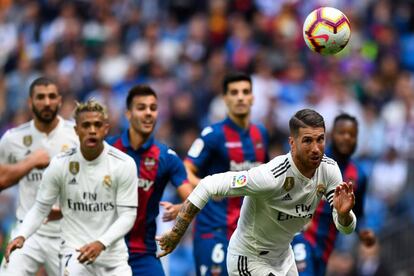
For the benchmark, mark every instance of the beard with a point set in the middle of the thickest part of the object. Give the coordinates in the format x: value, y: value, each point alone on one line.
x: 47, y: 119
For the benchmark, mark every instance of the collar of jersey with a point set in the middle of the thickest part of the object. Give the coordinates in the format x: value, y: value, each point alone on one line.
x: 97, y: 159
x: 233, y: 125
x: 295, y: 170
x: 127, y: 144
x: 58, y: 126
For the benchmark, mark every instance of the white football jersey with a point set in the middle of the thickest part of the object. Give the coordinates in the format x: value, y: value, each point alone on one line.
x: 279, y: 202
x: 89, y: 194
x: 17, y: 143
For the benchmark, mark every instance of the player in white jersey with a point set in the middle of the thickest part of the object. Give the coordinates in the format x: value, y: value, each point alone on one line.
x: 46, y: 132
x: 281, y: 197
x: 97, y: 189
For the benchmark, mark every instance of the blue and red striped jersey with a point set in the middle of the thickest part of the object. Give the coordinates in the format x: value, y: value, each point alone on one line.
x: 321, y: 233
x: 157, y: 165
x: 222, y: 147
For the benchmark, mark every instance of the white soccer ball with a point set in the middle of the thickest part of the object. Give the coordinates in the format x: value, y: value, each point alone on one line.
x: 326, y: 30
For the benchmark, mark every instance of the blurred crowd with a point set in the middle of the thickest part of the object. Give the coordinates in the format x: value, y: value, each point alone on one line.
x: 183, y: 48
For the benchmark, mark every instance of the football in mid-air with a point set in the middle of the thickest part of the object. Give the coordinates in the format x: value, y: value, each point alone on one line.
x: 326, y: 30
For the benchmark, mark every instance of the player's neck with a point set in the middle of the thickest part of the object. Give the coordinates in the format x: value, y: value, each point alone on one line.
x: 46, y: 127
x: 91, y: 154
x: 309, y: 173
x: 242, y: 121
x: 136, y: 140
x: 340, y: 158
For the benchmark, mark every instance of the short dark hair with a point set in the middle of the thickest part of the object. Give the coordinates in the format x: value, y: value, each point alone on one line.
x: 305, y: 118
x: 233, y: 77
x: 139, y: 90
x: 345, y: 117
x: 41, y: 81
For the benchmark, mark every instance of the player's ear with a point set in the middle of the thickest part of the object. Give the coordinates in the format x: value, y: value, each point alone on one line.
x: 76, y: 130
x: 292, y: 142
x: 128, y: 114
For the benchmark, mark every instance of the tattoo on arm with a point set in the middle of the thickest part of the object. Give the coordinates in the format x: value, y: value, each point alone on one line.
x: 186, y: 214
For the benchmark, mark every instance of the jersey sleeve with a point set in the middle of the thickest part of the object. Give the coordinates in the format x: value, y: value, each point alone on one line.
x: 4, y: 149
x: 254, y: 182
x: 127, y: 191
x: 177, y: 172
x: 265, y: 136
x: 334, y: 178
x: 49, y: 188
x: 202, y: 147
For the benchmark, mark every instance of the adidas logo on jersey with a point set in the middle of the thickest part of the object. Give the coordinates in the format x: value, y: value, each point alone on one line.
x: 73, y: 181
x: 287, y: 197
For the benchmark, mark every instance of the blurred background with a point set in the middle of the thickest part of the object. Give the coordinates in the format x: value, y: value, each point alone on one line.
x: 182, y: 48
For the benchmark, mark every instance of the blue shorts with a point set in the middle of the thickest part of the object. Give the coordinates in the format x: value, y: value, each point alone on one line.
x: 145, y: 265
x: 210, y: 252
x: 307, y: 261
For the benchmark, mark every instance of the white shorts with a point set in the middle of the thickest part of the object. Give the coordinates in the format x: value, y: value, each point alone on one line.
x: 37, y: 250
x: 71, y: 266
x: 238, y: 265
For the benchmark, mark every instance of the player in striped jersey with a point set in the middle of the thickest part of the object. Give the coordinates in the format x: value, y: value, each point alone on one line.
x: 97, y: 188
x: 314, y: 245
x: 157, y: 165
x: 47, y: 132
x: 234, y: 144
x: 281, y: 197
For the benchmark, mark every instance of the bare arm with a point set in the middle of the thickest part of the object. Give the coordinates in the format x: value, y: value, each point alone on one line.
x: 191, y: 173
x: 169, y: 240
x: 171, y: 210
x: 10, y: 174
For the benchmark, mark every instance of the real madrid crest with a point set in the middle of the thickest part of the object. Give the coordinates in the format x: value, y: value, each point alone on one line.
x: 107, y: 181
x: 149, y: 163
x: 320, y: 190
x: 289, y: 183
x: 74, y: 167
x: 27, y: 140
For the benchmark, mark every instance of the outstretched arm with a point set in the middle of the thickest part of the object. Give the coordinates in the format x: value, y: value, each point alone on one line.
x: 169, y: 240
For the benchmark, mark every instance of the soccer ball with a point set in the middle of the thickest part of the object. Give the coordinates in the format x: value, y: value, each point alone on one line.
x: 326, y: 30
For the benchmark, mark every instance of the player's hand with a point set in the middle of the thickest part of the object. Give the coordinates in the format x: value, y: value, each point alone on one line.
x: 90, y: 251
x: 344, y: 198
x: 55, y: 214
x: 170, y: 210
x: 367, y: 237
x: 40, y: 158
x: 168, y: 242
x: 13, y: 245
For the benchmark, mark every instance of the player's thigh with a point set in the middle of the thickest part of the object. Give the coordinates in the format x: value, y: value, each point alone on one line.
x: 121, y: 270
x: 26, y: 260
x: 304, y: 256
x: 210, y: 255
x: 50, y: 248
x: 20, y: 263
x: 242, y: 265
x: 69, y: 265
x: 145, y: 265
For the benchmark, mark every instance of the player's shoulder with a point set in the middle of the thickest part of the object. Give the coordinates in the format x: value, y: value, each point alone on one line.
x: 165, y: 150
x: 277, y: 167
x: 328, y: 162
x: 67, y: 154
x: 22, y: 129
x: 261, y: 127
x: 117, y: 156
x: 68, y: 123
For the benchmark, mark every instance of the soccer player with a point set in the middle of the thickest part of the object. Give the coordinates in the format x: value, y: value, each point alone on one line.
x: 234, y: 144
x: 97, y: 187
x: 281, y: 197
x: 314, y: 245
x: 46, y: 132
x: 157, y: 165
